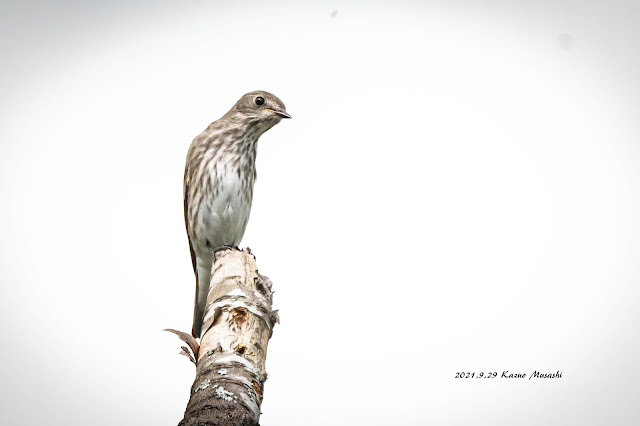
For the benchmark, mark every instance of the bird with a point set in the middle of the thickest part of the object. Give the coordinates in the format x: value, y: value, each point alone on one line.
x: 218, y: 184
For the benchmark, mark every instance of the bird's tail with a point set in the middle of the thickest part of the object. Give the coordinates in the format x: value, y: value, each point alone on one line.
x: 203, y: 278
x: 196, y: 329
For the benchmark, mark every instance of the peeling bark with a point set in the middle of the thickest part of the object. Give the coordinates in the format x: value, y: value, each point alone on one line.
x: 238, y: 323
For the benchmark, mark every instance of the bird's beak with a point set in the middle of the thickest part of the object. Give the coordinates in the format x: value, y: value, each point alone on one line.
x: 282, y: 114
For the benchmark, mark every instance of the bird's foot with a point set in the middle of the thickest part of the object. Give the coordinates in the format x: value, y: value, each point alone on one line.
x: 225, y: 247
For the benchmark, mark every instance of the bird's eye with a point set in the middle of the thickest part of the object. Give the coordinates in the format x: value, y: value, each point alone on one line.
x: 259, y: 100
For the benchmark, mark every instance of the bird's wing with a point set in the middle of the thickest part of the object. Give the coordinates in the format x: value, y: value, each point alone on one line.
x: 186, y: 218
x: 197, y: 317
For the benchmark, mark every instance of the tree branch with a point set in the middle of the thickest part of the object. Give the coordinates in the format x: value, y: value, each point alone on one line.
x: 238, y: 323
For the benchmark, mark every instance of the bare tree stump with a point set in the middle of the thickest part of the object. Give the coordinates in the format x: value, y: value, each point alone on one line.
x: 238, y: 323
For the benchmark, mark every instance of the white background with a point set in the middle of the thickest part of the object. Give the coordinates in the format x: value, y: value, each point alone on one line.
x: 458, y: 190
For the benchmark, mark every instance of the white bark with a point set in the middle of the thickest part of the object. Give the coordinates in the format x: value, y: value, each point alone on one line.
x: 238, y: 323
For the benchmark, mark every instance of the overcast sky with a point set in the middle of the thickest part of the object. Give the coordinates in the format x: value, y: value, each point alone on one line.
x: 458, y: 191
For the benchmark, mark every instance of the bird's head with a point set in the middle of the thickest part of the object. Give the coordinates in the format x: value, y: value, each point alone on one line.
x: 259, y: 107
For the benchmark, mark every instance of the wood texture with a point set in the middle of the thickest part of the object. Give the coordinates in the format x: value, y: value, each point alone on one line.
x: 238, y: 323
